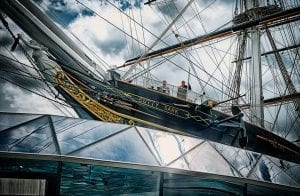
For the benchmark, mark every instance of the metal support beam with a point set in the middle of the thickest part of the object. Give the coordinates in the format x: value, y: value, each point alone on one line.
x: 54, y: 137
x: 256, y: 100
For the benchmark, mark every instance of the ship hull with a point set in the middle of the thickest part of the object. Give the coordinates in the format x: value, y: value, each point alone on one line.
x: 153, y: 109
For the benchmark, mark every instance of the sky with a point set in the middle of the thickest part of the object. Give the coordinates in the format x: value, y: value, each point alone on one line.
x: 109, y: 42
x: 119, y: 30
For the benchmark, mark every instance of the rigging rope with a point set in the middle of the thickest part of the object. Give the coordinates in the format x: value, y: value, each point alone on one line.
x: 31, y: 61
x: 216, y: 79
x: 30, y: 76
x: 217, y: 64
x: 107, y: 66
x: 159, y: 37
x: 41, y: 95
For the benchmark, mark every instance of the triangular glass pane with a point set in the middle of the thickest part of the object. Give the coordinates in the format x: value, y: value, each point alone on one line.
x: 266, y: 170
x: 205, y: 159
x: 167, y: 146
x: 242, y: 160
x: 33, y: 137
x: 291, y: 169
x: 73, y: 134
x: 126, y: 146
x: 9, y: 120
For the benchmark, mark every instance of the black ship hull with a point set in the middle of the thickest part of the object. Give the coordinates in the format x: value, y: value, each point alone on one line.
x: 154, y: 109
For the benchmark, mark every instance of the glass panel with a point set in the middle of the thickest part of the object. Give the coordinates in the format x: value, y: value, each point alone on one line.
x: 64, y: 123
x: 167, y: 146
x: 266, y: 170
x: 100, y: 180
x: 261, y: 190
x: 176, y: 184
x: 241, y: 159
x: 73, y: 134
x: 10, y: 120
x: 34, y: 137
x: 205, y: 159
x: 291, y: 169
x: 126, y: 146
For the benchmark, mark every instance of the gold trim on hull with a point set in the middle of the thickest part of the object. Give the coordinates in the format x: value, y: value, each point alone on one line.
x: 100, y: 111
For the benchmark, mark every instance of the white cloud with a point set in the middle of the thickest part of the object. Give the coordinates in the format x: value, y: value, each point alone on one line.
x: 111, y: 45
x: 20, y: 100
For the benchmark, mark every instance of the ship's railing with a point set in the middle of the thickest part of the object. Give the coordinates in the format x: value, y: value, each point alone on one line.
x: 284, y: 5
x: 191, y: 96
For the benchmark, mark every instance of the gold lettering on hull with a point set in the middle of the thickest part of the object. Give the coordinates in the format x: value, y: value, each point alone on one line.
x: 100, y: 111
x: 108, y: 115
x: 163, y: 107
x: 171, y: 109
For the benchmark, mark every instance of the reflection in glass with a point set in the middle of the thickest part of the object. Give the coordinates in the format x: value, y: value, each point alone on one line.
x: 100, y: 180
x: 10, y: 120
x: 126, y: 146
x: 267, y: 170
x: 176, y: 184
x: 242, y: 160
x: 34, y: 137
x: 291, y: 169
x: 167, y: 146
x: 107, y: 141
x: 73, y: 134
x: 205, y: 159
x: 261, y: 190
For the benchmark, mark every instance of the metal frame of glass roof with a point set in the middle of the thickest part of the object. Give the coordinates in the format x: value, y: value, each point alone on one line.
x: 94, y: 144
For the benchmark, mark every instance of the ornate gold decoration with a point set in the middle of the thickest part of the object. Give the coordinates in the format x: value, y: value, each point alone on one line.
x: 99, y: 110
x: 131, y: 122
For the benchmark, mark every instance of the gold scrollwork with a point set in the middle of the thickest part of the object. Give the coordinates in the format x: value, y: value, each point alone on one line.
x: 99, y: 110
x: 90, y: 104
x: 131, y: 122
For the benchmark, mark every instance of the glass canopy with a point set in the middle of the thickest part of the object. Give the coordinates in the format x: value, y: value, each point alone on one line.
x: 88, y: 156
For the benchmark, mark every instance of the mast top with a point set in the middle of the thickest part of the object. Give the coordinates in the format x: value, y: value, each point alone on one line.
x: 256, y: 13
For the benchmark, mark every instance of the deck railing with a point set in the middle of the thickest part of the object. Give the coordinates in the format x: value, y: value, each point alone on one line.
x: 191, y: 96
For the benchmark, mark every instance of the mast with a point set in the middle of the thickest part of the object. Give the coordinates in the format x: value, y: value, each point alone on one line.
x: 256, y: 95
x: 158, y: 39
x: 250, y: 11
x: 275, y: 17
